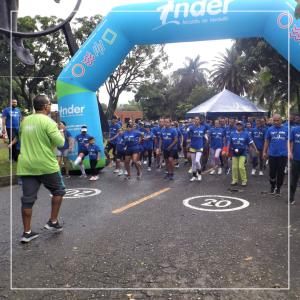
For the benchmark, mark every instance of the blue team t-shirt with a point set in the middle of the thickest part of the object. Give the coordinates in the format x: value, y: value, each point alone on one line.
x: 217, y: 136
x: 278, y: 138
x: 148, y: 140
x: 93, y: 151
x: 82, y: 140
x: 67, y: 135
x: 197, y: 134
x: 258, y: 136
x: 157, y: 134
x: 295, y: 138
x: 184, y: 132
x: 131, y: 140
x: 168, y: 136
x: 240, y: 141
x: 13, y: 117
x: 113, y: 131
x: 120, y: 144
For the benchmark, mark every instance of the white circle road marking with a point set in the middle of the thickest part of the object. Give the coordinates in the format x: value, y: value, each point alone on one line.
x: 213, y: 201
x: 81, y: 193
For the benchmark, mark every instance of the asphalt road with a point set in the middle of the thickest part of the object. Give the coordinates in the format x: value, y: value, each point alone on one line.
x: 158, y: 243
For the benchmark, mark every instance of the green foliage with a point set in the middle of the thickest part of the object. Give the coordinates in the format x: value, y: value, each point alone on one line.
x: 142, y: 65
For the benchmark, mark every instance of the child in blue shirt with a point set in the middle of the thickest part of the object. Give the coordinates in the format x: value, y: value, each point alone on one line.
x: 94, y: 156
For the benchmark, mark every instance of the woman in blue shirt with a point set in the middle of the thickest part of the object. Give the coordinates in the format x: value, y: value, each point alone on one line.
x: 238, y: 144
x: 216, y: 138
x: 132, y: 140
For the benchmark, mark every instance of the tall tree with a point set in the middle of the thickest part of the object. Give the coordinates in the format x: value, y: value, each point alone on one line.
x: 141, y: 65
x: 230, y: 72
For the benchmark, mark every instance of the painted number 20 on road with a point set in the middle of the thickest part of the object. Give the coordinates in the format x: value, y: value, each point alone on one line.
x: 215, y: 203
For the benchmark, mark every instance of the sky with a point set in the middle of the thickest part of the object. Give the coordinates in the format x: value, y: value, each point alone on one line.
x: 208, y: 50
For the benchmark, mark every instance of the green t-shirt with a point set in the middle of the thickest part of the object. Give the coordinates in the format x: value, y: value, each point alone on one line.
x: 39, y: 136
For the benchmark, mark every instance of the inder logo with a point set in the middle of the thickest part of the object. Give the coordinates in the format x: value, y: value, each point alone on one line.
x: 71, y: 111
x: 172, y: 13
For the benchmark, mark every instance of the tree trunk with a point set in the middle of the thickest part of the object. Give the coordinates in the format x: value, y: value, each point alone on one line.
x: 112, y: 105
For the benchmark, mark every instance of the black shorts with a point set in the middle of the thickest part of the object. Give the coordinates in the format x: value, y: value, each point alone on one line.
x: 84, y: 152
x: 170, y: 153
x: 110, y: 146
x: 31, y: 185
x: 121, y: 155
x: 130, y: 152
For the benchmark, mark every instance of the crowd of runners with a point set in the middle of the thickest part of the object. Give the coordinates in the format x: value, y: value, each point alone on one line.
x: 221, y: 146
x: 224, y: 145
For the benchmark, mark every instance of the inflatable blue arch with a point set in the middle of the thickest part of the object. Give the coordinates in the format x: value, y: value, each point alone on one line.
x: 162, y: 22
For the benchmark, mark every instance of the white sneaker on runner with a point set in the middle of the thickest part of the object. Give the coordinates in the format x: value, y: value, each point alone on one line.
x: 145, y: 162
x: 212, y: 172
x: 261, y: 173
x: 116, y: 171
x: 149, y: 169
x: 190, y: 171
x: 125, y: 173
x: 220, y: 171
x: 92, y: 178
x: 96, y: 177
x: 120, y: 172
x: 194, y: 179
x: 253, y: 172
x: 199, y: 178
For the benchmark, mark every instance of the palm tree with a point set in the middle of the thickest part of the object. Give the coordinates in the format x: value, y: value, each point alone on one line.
x: 191, y: 75
x: 230, y: 73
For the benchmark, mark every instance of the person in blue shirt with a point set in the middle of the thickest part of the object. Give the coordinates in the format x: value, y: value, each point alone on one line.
x: 82, y: 142
x: 184, y: 132
x: 94, y: 156
x: 258, y: 135
x: 132, y: 139
x: 275, y: 147
x: 216, y: 141
x: 120, y: 149
x: 112, y: 142
x: 157, y: 136
x: 63, y: 152
x: 294, y: 154
x: 238, y: 144
x: 175, y: 125
x: 148, y: 144
x: 168, y: 145
x: 11, y: 119
x: 197, y: 135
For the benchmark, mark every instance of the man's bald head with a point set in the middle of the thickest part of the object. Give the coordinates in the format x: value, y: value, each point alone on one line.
x: 277, y: 120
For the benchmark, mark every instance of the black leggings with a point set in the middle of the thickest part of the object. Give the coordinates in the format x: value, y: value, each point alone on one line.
x: 277, y: 165
x: 295, y: 176
x: 93, y: 164
x: 148, y: 154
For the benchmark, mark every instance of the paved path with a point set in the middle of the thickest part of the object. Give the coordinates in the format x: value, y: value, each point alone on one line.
x: 155, y: 242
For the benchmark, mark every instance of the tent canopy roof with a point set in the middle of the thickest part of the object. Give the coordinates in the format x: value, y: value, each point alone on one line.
x: 226, y: 102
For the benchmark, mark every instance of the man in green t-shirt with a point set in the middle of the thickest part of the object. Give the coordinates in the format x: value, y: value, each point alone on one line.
x: 39, y: 137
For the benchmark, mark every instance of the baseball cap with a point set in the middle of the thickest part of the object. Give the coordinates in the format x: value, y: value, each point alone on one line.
x: 239, y: 123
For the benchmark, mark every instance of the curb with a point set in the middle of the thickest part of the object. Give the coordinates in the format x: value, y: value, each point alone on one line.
x: 5, y: 180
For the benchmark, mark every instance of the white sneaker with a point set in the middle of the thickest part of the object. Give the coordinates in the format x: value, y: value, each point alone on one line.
x: 253, y: 172
x: 92, y: 178
x: 190, y: 171
x: 199, y: 178
x: 149, y: 169
x: 145, y: 162
x: 261, y: 173
x: 193, y: 178
x: 125, y: 173
x: 83, y: 176
x: 212, y: 172
x: 163, y: 164
x: 120, y: 172
x: 116, y: 171
x: 177, y: 166
x: 96, y: 177
x: 220, y: 171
